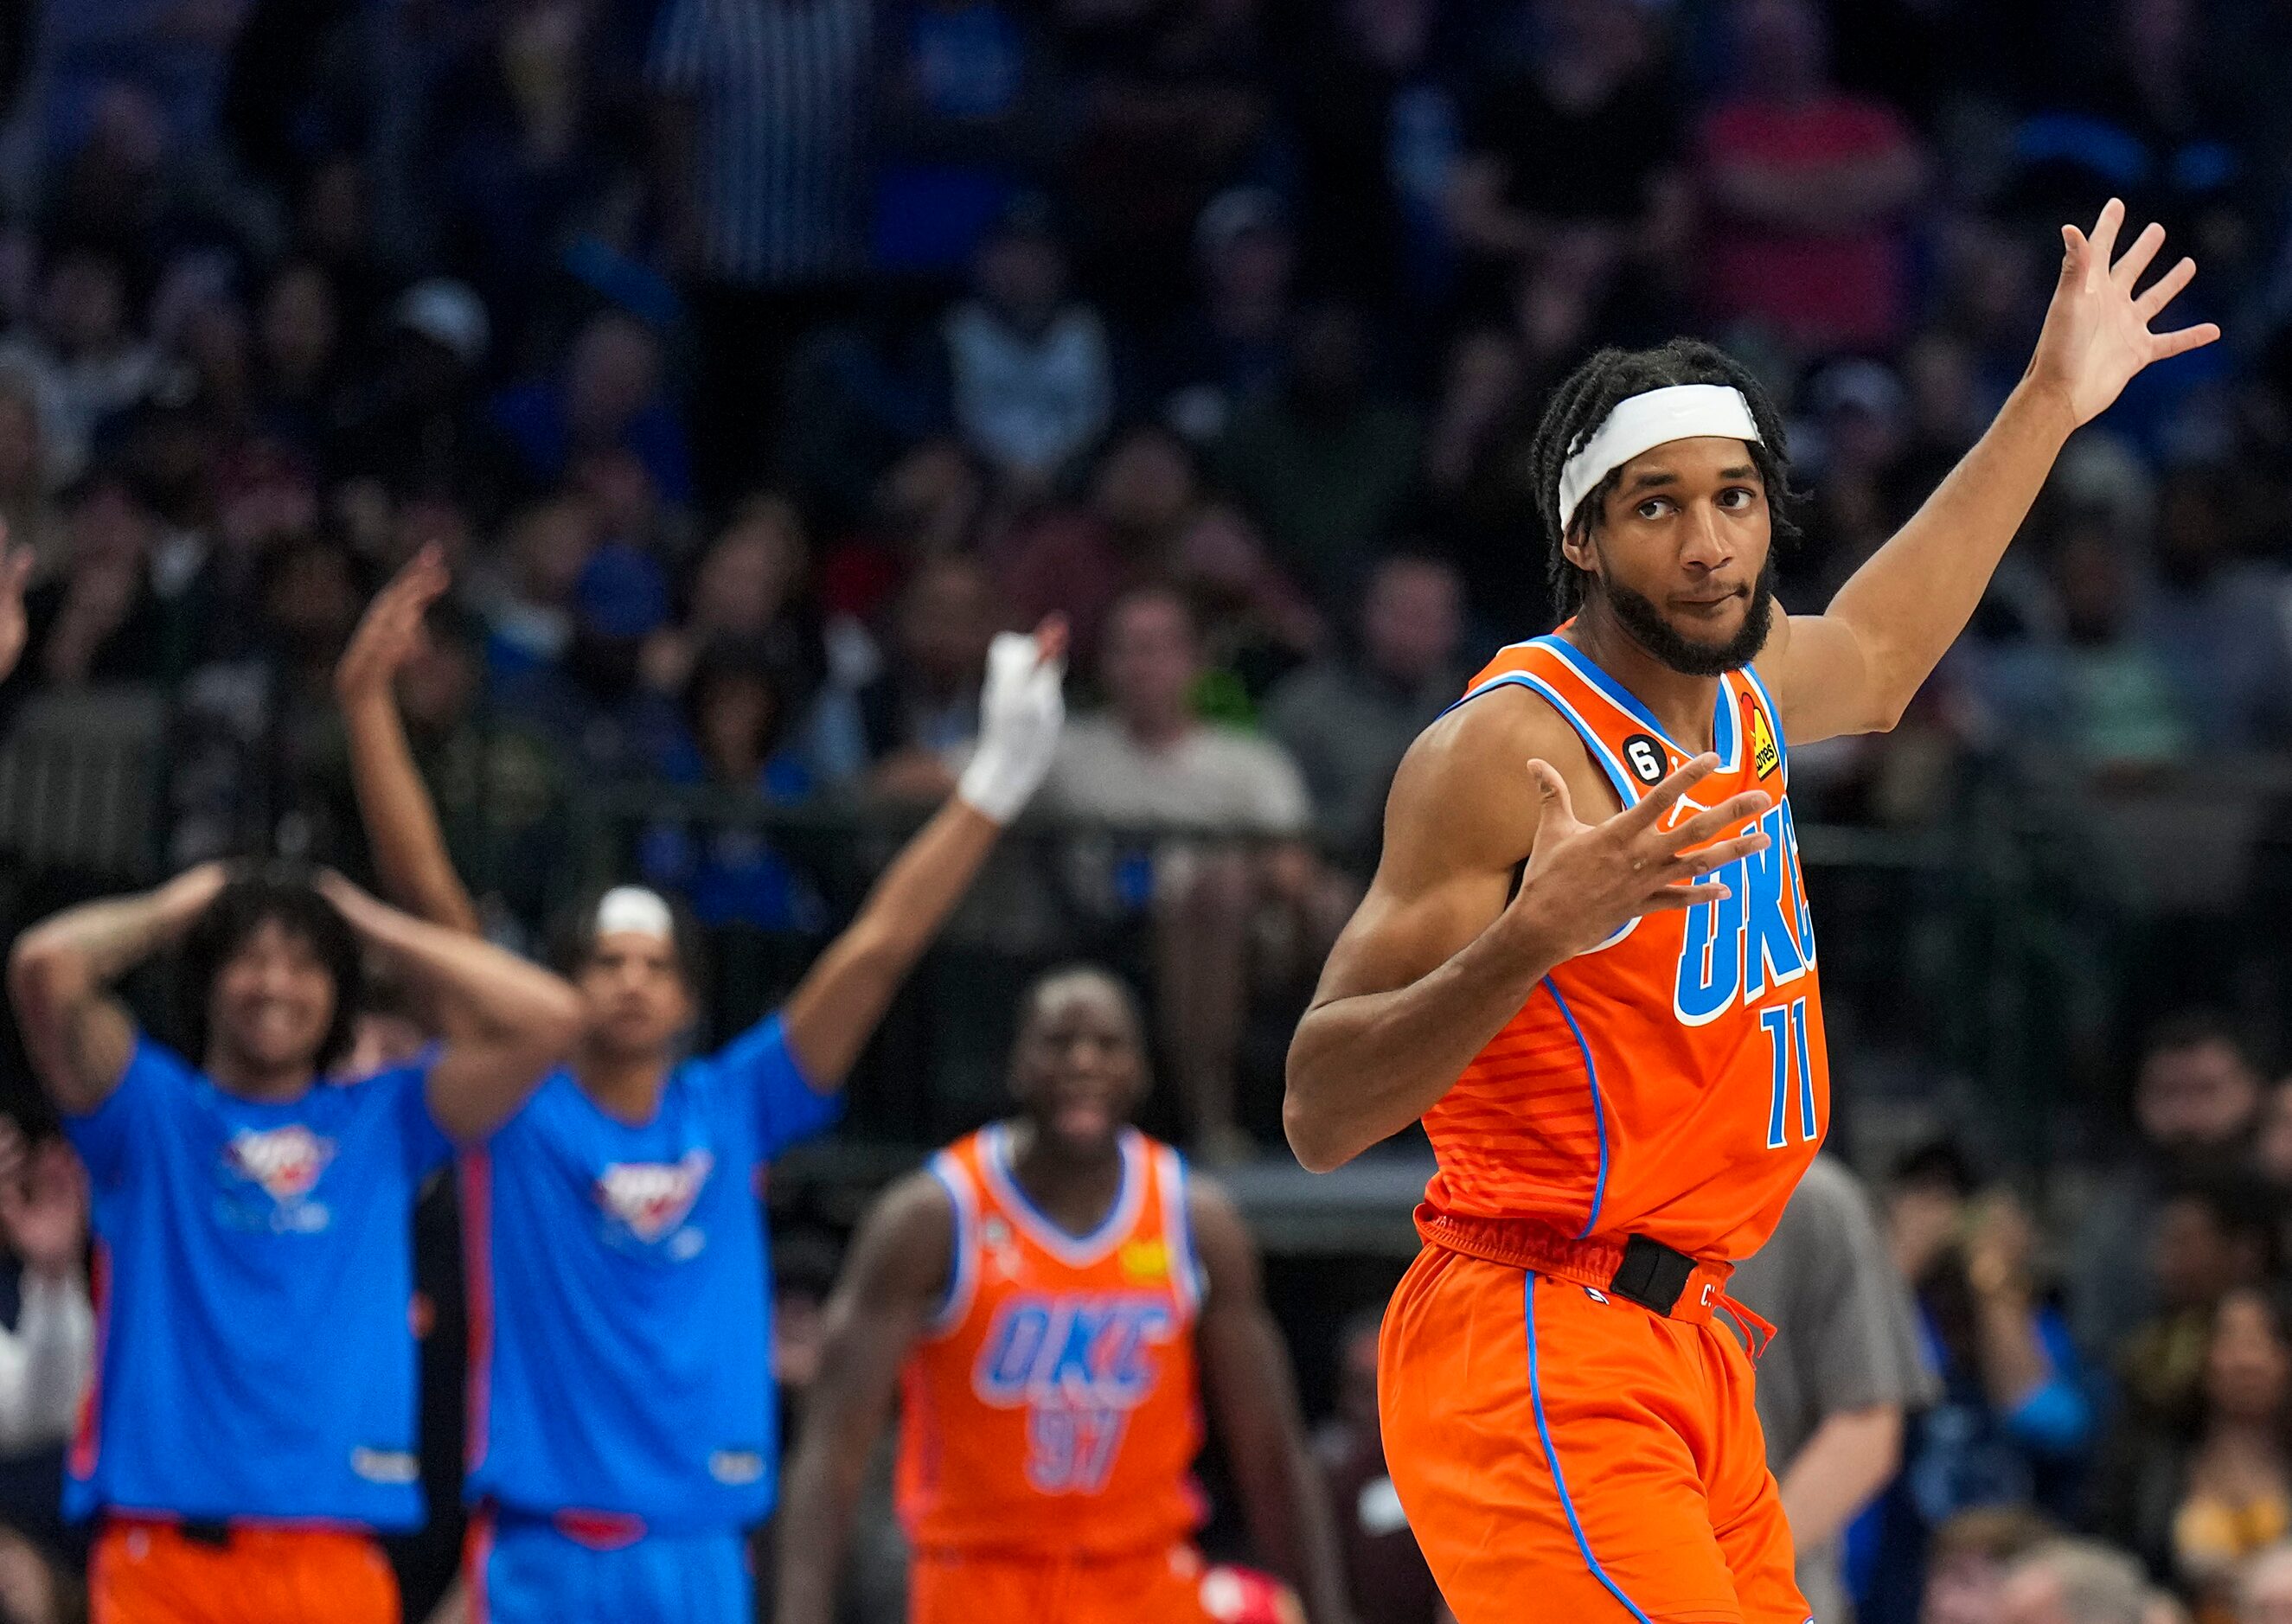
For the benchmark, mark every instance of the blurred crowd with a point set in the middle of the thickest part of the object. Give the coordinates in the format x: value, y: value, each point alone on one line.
x: 753, y: 361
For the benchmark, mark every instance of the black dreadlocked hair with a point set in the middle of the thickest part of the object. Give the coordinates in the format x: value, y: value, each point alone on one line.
x: 1581, y: 404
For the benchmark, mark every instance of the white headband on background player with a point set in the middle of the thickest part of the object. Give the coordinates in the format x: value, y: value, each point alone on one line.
x: 1680, y: 412
x: 634, y: 910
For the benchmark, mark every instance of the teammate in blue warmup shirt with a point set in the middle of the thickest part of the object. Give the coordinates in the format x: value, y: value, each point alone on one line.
x: 622, y: 1421
x: 253, y: 1413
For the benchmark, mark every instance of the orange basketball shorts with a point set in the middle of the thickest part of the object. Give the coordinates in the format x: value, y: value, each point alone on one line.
x: 1563, y: 1454
x: 1153, y: 1588
x: 149, y: 1571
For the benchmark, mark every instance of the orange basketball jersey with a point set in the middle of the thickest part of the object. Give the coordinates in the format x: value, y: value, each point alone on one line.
x: 1672, y: 1081
x: 1052, y: 1406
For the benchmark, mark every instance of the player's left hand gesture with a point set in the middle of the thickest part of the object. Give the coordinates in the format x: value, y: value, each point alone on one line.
x: 2097, y: 329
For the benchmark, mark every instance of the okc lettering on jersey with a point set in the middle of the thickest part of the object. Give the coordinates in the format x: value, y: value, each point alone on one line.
x: 652, y: 1198
x: 285, y: 1163
x: 1080, y: 1364
x: 1757, y: 937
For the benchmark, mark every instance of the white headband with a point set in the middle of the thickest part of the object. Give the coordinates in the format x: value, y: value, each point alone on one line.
x: 1682, y: 412
x: 633, y: 908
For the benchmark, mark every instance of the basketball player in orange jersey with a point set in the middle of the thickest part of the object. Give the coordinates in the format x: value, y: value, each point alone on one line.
x: 1052, y: 1298
x: 1586, y: 963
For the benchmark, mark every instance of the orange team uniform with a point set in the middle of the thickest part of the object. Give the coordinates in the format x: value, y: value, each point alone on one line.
x: 1050, y: 1418
x: 1569, y: 1429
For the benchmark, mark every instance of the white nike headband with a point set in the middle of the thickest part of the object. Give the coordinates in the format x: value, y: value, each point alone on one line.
x: 632, y: 909
x: 1681, y: 412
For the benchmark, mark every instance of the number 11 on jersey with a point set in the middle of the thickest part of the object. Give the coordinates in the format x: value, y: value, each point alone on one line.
x: 1786, y: 1030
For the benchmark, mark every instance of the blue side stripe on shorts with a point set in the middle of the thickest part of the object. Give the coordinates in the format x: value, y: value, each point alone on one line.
x: 1552, y: 1459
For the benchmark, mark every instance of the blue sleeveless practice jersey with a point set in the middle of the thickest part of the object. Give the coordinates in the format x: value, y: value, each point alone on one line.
x: 620, y: 1297
x: 254, y: 1279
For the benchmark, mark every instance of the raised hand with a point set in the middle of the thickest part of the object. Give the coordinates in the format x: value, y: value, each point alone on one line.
x: 1021, y: 710
x: 2097, y: 335
x: 15, y: 570
x: 1585, y: 881
x: 43, y: 1203
x: 391, y: 630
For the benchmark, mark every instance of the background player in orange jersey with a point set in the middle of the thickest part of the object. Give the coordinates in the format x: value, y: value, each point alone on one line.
x: 1040, y: 1295
x: 1610, y: 1027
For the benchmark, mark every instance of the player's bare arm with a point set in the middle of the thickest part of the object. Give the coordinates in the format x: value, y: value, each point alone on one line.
x: 834, y: 1009
x: 79, y: 1036
x: 410, y: 858
x: 898, y: 1267
x: 1855, y: 667
x: 517, y: 1021
x: 1255, y: 1399
x: 1441, y: 953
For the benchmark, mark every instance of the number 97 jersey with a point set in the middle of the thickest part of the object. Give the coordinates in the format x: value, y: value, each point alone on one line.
x: 1053, y: 1405
x: 1672, y: 1081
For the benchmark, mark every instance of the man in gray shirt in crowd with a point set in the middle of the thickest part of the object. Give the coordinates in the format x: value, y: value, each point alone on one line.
x: 1845, y: 1367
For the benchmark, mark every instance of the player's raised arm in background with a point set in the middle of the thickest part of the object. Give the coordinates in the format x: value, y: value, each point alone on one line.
x: 834, y: 1009
x: 1436, y: 960
x: 514, y: 1020
x: 81, y: 1037
x: 1855, y: 667
x: 897, y: 1273
x: 1252, y: 1395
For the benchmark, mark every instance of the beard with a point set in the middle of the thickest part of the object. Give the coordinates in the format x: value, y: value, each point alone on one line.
x: 1640, y: 617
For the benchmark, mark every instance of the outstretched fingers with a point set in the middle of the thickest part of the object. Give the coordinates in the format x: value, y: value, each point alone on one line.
x: 1652, y: 806
x: 2170, y: 344
x: 2127, y: 272
x: 1711, y: 825
x: 2165, y: 290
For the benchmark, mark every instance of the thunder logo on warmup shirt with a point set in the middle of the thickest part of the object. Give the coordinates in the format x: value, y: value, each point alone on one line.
x: 253, y: 1278
x: 1052, y: 1407
x: 620, y: 1324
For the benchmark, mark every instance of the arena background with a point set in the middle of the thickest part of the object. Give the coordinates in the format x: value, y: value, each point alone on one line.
x: 754, y: 359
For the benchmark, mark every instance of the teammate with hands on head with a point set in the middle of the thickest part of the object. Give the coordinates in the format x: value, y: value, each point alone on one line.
x: 45, y: 1360
x: 624, y: 1435
x: 1606, y: 1012
x: 253, y: 1228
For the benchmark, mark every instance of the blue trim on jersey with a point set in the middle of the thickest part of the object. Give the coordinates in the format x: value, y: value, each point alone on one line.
x: 1627, y: 791
x: 1178, y: 1220
x: 1625, y: 699
x: 1726, y: 735
x: 963, y: 1264
x: 1774, y: 719
x: 1552, y: 1459
x: 1080, y: 1251
x: 1599, y: 1111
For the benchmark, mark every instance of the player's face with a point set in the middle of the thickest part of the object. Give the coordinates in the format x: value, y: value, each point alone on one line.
x: 633, y: 988
x: 1079, y: 1068
x: 1681, y: 554
x: 273, y: 1001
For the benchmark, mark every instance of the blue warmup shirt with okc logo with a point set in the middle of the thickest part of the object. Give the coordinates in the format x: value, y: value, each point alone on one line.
x: 620, y: 1324
x: 253, y: 1281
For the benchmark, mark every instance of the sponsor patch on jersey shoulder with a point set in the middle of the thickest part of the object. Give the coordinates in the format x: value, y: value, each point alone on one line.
x: 1643, y: 753
x: 1765, y: 756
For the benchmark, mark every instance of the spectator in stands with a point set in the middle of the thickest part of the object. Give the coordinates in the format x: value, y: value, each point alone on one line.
x: 2075, y: 1581
x: 298, y: 355
x: 1578, y: 157
x: 761, y: 113
x: 965, y: 118
x: 1326, y: 462
x: 592, y: 703
x: 47, y: 1358
x: 928, y: 504
x: 2214, y: 620
x: 607, y: 397
x: 1255, y: 626
x: 1966, y: 1567
x: 1145, y: 761
x: 1348, y: 718
x: 1233, y: 343
x: 413, y: 422
x: 101, y: 621
x: 85, y: 361
x: 1077, y: 561
x: 1844, y: 1372
x: 2014, y: 1423
x: 2196, y: 1502
x: 529, y: 610
x: 1807, y: 190
x: 2264, y: 1589
x: 1028, y: 363
x: 747, y: 587
x: 1383, y: 1569
x: 27, y: 476
x: 2212, y: 1234
x: 921, y: 712
x: 2196, y: 1101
